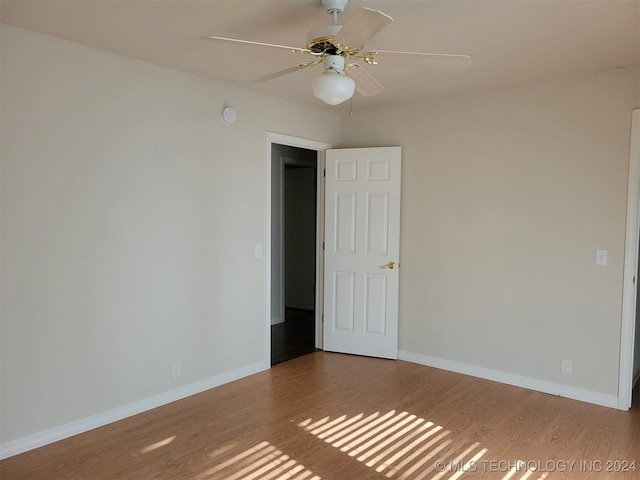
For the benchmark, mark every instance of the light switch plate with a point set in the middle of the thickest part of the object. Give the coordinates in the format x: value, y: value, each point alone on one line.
x: 601, y: 257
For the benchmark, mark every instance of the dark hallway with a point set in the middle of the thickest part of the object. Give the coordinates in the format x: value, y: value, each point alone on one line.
x: 294, y: 337
x: 294, y: 253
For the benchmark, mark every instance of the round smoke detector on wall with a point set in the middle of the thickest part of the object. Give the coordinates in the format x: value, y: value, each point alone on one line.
x: 228, y: 116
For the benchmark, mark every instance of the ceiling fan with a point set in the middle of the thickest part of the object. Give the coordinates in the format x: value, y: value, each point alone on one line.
x: 336, y: 46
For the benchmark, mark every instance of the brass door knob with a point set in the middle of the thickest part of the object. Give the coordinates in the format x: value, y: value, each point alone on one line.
x: 390, y: 265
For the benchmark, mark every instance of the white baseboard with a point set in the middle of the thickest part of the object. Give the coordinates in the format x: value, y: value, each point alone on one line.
x: 511, y: 379
x: 39, y: 439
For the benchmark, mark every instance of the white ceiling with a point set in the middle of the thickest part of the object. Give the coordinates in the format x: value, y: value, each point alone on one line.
x: 511, y: 42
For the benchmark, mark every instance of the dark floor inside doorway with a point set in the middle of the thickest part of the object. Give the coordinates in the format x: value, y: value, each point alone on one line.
x: 293, y: 337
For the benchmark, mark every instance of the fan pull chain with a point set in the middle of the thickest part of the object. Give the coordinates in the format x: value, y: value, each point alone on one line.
x: 351, y: 107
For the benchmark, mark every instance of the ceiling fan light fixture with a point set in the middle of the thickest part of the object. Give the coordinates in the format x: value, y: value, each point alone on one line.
x: 336, y: 43
x: 333, y: 86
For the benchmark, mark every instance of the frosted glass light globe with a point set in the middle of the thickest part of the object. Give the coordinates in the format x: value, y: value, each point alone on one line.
x: 333, y: 88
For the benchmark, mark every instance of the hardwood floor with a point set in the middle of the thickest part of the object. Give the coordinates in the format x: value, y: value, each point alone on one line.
x: 338, y: 417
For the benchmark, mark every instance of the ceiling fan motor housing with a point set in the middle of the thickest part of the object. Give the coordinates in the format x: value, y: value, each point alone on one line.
x: 334, y: 62
x: 335, y: 5
x: 320, y: 40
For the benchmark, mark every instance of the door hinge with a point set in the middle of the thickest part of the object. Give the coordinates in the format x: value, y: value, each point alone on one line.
x: 323, y: 245
x: 324, y: 172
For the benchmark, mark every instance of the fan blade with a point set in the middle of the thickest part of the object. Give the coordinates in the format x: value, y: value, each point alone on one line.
x: 261, y: 44
x: 286, y: 71
x: 362, y: 25
x: 447, y: 62
x: 366, y: 85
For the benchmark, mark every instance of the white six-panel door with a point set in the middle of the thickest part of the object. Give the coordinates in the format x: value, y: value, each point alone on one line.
x: 362, y: 246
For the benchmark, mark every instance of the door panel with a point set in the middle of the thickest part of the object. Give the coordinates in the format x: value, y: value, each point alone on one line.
x: 377, y: 232
x: 375, y: 305
x: 362, y: 236
x: 344, y: 288
x: 345, y: 232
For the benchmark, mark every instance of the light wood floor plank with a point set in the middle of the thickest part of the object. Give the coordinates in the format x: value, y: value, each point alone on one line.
x: 339, y: 417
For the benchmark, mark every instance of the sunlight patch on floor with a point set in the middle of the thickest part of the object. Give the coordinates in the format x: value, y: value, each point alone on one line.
x: 394, y: 445
x: 528, y: 475
x: 397, y: 444
x: 155, y: 446
x: 261, y: 462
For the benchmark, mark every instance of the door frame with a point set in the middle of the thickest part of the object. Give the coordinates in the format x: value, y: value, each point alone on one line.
x: 319, y: 147
x: 630, y: 280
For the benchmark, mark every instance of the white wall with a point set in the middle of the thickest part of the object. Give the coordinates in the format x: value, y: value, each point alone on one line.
x: 129, y: 219
x: 506, y: 197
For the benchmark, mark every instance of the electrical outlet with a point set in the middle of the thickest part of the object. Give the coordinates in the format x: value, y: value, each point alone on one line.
x: 177, y: 370
x: 601, y: 257
x: 565, y: 368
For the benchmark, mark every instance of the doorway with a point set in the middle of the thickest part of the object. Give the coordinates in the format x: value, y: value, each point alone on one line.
x: 376, y: 229
x: 294, y: 259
